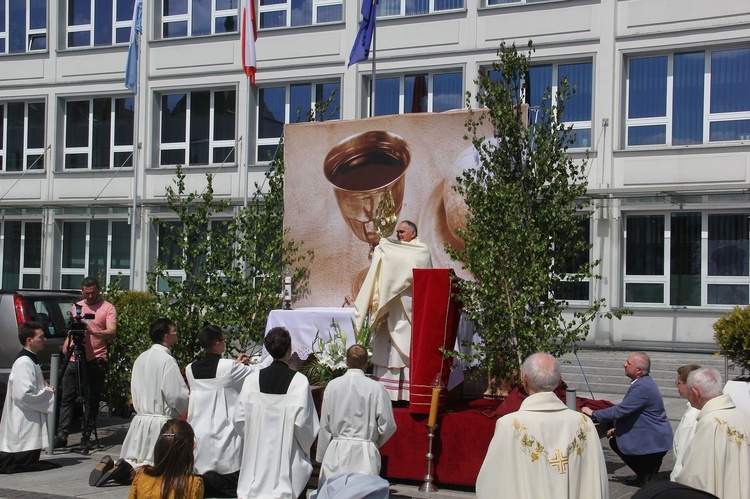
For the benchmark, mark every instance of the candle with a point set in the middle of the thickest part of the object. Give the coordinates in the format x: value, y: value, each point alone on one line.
x: 434, y: 406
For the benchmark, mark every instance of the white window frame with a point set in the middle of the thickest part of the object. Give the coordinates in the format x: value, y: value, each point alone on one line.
x: 71, y: 271
x: 31, y: 34
x: 665, y: 278
x: 88, y: 150
x: 23, y: 269
x: 81, y: 28
x: 708, y: 116
x: 27, y: 151
x: 286, y: 7
x: 430, y: 10
x: 215, y: 14
x: 402, y: 83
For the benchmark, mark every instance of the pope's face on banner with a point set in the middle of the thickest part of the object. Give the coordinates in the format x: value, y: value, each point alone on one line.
x: 405, y: 233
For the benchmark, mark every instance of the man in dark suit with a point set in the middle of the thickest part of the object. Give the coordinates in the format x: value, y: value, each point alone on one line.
x: 642, y: 434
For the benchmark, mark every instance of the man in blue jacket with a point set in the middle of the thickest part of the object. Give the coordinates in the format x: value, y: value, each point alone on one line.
x: 642, y: 434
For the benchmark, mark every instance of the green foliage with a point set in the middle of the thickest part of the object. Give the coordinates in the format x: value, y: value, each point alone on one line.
x: 523, y: 230
x: 732, y: 334
x: 135, y: 311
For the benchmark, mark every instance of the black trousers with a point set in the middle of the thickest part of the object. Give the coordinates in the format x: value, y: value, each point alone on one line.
x: 19, y: 462
x: 95, y: 371
x: 644, y: 465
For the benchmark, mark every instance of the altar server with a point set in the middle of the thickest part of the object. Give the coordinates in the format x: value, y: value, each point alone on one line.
x: 276, y: 415
x: 717, y: 459
x: 215, y: 385
x: 355, y: 421
x: 544, y: 450
x: 23, y: 429
x: 159, y: 394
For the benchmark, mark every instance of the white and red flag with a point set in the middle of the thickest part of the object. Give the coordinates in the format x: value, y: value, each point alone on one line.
x: 249, y: 35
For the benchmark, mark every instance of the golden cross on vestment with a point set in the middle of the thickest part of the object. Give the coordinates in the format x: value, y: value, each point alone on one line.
x: 560, y: 461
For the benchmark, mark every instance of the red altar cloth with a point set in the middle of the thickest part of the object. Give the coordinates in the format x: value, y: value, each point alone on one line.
x: 435, y: 315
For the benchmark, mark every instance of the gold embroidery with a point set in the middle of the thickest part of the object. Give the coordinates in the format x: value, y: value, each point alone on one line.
x: 735, y: 436
x: 535, y: 450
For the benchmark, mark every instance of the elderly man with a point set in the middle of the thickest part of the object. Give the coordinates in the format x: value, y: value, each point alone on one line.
x: 717, y: 459
x: 100, y: 317
x: 159, y: 393
x: 276, y: 415
x: 23, y: 429
x: 215, y: 385
x: 686, y: 428
x: 355, y: 421
x: 386, y: 296
x: 642, y: 435
x: 544, y: 450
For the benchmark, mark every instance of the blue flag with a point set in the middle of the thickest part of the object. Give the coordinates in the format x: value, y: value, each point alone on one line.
x: 361, y: 49
x: 131, y: 67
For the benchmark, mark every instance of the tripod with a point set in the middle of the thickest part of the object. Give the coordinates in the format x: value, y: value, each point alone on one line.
x: 82, y: 388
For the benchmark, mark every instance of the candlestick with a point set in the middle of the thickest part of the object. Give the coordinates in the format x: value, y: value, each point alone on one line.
x: 427, y: 485
x: 434, y: 405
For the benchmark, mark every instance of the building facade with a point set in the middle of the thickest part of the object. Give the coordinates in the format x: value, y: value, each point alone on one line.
x: 662, y: 106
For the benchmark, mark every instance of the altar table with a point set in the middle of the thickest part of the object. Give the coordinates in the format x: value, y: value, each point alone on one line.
x: 305, y: 323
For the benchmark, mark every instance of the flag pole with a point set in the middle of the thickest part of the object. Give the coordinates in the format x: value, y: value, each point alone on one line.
x: 374, y: 45
x: 136, y: 33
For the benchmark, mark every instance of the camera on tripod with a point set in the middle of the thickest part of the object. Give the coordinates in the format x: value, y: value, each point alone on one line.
x: 77, y: 325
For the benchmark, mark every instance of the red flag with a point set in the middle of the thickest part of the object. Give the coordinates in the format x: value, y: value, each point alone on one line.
x: 248, y: 42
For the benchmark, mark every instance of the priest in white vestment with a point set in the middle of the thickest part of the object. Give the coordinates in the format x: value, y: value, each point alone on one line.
x: 276, y: 416
x: 717, y: 459
x: 159, y: 393
x: 355, y: 421
x: 544, y: 450
x: 28, y: 401
x: 386, y: 294
x: 685, y: 430
x: 215, y: 385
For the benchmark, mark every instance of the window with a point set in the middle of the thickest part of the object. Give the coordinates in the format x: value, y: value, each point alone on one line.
x: 23, y: 26
x: 22, y: 255
x: 687, y: 259
x: 419, y: 93
x: 291, y: 104
x: 387, y: 8
x: 286, y: 13
x: 688, y: 98
x: 574, y: 289
x: 198, y: 128
x: 504, y: 2
x: 21, y: 136
x: 199, y: 17
x: 99, y: 23
x: 99, y: 133
x: 93, y: 247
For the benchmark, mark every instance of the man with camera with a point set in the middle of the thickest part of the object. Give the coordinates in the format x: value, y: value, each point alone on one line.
x: 96, y: 321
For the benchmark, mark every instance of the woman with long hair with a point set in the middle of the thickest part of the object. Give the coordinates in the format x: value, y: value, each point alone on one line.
x: 171, y: 476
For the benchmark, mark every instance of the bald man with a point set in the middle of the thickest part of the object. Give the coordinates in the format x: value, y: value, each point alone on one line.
x: 544, y: 450
x: 642, y: 434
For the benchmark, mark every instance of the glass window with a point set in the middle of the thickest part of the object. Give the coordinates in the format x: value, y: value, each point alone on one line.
x: 577, y: 290
x: 22, y: 254
x: 418, y: 93
x: 99, y: 23
x: 182, y: 18
x: 286, y: 13
x: 99, y: 133
x: 23, y: 26
x: 504, y: 2
x: 198, y: 128
x: 291, y: 104
x: 94, y: 247
x: 388, y: 8
x: 22, y: 136
x: 666, y: 96
x: 696, y: 258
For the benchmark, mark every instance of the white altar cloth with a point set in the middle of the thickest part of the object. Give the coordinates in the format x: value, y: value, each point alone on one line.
x: 304, y: 323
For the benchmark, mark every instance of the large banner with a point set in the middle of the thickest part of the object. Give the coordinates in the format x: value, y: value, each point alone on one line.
x: 337, y: 172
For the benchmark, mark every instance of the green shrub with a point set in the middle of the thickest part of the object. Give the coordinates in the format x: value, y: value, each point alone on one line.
x: 732, y: 334
x: 135, y: 311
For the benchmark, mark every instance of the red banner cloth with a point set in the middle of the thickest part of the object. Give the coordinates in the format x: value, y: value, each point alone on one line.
x: 435, y: 315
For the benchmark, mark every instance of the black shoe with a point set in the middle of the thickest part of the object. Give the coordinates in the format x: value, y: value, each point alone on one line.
x: 61, y: 441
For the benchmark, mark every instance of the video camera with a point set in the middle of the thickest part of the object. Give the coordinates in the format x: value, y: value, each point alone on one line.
x: 77, y: 324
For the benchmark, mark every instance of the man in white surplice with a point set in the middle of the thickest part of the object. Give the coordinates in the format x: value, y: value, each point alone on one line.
x: 544, y: 450
x: 159, y: 393
x: 386, y: 295
x: 23, y: 430
x: 717, y: 459
x: 276, y: 416
x: 355, y: 421
x: 215, y: 385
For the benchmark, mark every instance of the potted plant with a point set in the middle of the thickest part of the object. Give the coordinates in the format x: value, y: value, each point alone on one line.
x: 732, y: 335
